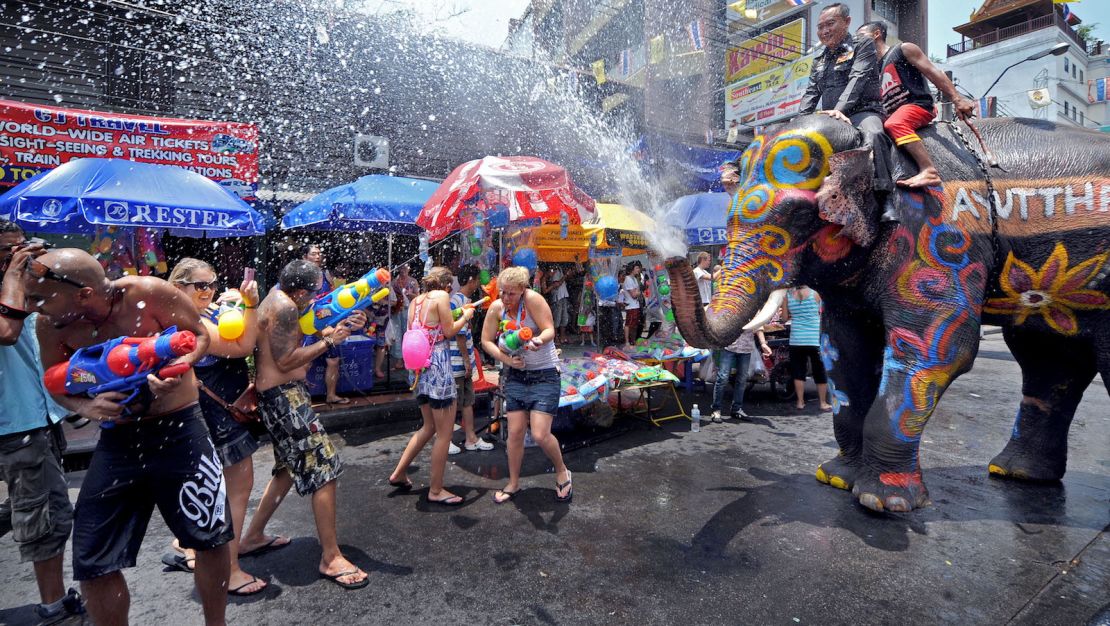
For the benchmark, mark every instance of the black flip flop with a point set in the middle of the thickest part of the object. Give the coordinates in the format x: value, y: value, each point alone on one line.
x: 561, y: 486
x: 177, y: 562
x: 243, y: 594
x: 335, y: 579
x: 270, y: 546
x: 509, y: 496
x: 403, y: 485
x: 448, y: 501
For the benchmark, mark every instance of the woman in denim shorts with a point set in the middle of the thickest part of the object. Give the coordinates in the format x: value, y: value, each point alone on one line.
x: 224, y: 372
x: 530, y: 379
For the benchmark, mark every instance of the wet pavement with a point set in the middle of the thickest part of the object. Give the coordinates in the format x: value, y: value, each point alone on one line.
x: 724, y: 526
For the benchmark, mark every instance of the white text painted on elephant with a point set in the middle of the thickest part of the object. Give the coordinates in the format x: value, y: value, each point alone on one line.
x: 1056, y: 199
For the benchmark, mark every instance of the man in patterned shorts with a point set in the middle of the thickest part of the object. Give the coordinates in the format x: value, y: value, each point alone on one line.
x: 305, y: 455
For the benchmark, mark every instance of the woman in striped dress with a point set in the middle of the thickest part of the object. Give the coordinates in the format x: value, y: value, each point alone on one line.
x: 803, y: 309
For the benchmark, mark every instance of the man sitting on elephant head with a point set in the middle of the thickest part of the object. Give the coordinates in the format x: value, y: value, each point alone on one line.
x: 907, y: 99
x: 844, y: 84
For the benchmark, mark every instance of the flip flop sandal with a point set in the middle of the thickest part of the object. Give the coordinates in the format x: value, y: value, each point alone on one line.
x: 561, y: 486
x: 452, y: 501
x: 335, y: 579
x: 403, y: 485
x: 177, y: 562
x: 242, y: 594
x: 509, y: 495
x: 269, y: 546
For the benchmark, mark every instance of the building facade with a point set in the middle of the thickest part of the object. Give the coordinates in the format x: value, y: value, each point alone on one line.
x: 1017, y: 34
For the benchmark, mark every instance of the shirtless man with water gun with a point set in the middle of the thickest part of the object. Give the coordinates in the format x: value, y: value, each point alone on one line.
x: 157, y: 450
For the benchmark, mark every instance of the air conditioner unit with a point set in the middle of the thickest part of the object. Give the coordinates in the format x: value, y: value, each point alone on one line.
x: 372, y: 151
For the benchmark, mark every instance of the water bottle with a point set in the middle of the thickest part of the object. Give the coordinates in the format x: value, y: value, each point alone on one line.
x: 695, y: 419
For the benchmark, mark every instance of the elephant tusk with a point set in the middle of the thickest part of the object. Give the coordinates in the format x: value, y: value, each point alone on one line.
x: 774, y: 301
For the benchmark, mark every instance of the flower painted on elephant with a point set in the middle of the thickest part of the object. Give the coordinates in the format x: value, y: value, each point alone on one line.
x: 1054, y: 291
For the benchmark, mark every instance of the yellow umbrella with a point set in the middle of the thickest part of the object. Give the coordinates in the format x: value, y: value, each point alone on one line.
x: 615, y: 226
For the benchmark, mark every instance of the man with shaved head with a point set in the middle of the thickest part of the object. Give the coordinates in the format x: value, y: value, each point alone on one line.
x: 154, y: 452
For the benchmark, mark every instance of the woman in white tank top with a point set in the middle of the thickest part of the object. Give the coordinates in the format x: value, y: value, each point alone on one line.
x: 530, y: 379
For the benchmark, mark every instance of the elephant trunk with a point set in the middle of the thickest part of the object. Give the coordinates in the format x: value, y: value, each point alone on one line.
x: 719, y: 324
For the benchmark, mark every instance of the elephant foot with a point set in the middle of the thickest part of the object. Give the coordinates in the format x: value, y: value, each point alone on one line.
x: 894, y: 492
x: 1019, y: 463
x: 840, y: 472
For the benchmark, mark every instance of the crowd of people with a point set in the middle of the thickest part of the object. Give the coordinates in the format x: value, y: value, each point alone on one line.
x: 55, y: 302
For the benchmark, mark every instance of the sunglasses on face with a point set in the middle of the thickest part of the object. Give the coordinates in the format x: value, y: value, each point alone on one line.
x: 201, y: 285
x: 40, y: 270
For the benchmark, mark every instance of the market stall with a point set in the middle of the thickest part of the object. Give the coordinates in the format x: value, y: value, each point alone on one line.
x: 378, y: 204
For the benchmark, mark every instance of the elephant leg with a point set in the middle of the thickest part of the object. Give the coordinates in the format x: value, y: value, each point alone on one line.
x: 1055, y: 372
x: 852, y: 352
x: 918, y: 366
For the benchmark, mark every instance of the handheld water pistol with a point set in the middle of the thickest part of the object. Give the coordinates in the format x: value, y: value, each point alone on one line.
x: 340, y: 302
x: 513, y: 341
x: 456, y: 312
x: 121, y: 364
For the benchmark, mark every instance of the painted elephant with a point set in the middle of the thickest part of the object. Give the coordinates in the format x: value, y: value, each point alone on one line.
x: 908, y: 278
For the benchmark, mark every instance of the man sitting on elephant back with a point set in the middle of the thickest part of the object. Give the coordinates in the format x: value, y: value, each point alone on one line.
x: 844, y: 84
x: 907, y: 99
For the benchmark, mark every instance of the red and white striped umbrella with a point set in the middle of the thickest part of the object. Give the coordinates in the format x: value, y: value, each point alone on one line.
x: 526, y: 187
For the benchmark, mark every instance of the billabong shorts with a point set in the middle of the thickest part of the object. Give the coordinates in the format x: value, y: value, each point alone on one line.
x: 166, y: 462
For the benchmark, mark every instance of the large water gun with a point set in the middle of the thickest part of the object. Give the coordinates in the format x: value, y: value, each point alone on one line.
x: 121, y: 364
x: 512, y: 342
x: 586, y: 303
x: 457, y: 312
x: 342, y: 301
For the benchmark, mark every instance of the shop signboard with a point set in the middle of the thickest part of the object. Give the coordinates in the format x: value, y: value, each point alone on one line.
x: 765, y: 51
x: 769, y: 96
x: 743, y: 15
x: 35, y: 138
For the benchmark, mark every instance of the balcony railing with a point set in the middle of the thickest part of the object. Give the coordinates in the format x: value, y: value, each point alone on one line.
x: 1017, y: 30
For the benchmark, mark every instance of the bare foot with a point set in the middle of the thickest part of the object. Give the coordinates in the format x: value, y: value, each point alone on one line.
x: 927, y: 177
x: 340, y: 565
x: 248, y: 545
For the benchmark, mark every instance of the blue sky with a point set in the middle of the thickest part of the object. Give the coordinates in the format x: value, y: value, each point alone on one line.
x: 947, y: 14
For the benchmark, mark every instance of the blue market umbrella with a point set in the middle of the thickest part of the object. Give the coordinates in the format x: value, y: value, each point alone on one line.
x: 701, y: 216
x: 386, y: 204
x: 83, y: 194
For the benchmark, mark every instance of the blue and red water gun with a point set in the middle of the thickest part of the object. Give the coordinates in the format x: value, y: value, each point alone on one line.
x: 333, y: 308
x: 121, y: 364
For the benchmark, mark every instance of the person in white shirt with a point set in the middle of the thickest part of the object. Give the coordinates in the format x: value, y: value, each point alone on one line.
x: 704, y: 278
x: 556, y: 292
x: 634, y: 321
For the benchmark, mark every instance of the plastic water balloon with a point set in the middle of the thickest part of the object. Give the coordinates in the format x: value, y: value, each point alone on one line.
x: 230, y: 324
x: 415, y: 351
x: 525, y: 257
x: 483, y: 277
x: 607, y: 287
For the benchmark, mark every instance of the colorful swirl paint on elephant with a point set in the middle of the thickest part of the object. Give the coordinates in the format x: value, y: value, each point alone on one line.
x: 908, y: 278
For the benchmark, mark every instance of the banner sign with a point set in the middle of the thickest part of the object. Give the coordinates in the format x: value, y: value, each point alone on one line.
x: 35, y: 138
x: 765, y: 51
x: 769, y: 96
x: 1096, y: 90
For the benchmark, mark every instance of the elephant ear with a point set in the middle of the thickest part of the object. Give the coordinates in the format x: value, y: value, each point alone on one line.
x: 847, y: 196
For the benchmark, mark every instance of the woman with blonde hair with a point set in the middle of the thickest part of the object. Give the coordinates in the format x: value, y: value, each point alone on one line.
x: 530, y: 378
x: 223, y: 371
x: 435, y: 386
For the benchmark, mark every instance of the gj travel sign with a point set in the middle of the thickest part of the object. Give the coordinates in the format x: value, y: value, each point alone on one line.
x: 34, y: 138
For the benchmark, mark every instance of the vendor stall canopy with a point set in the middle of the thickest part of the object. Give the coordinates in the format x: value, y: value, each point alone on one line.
x: 84, y: 194
x: 701, y: 217
x: 378, y: 203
